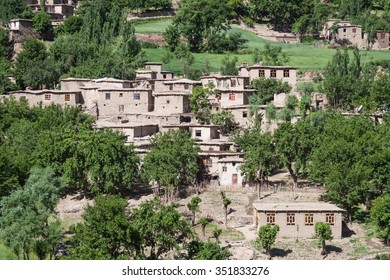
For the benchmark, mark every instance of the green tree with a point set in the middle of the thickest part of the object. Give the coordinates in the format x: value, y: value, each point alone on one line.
x: 11, y: 9
x: 25, y: 213
x: 71, y: 25
x: 42, y: 23
x: 259, y: 157
x: 322, y: 232
x: 293, y: 146
x: 380, y: 216
x: 207, y: 251
x: 271, y: 55
x: 265, y: 90
x: 33, y: 68
x: 225, y: 202
x: 224, y: 119
x: 267, y: 237
x: 105, y: 233
x: 229, y: 66
x: 193, y: 206
x: 216, y: 234
x: 380, y: 91
x: 160, y: 228
x: 201, y: 19
x: 340, y: 160
x: 200, y: 104
x: 204, y: 222
x: 171, y: 162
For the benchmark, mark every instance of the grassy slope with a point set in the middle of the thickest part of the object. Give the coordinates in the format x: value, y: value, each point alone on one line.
x: 302, y: 56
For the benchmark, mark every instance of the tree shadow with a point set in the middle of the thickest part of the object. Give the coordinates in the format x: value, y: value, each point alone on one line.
x: 331, y: 248
x: 277, y: 252
x: 346, y: 231
x: 231, y: 210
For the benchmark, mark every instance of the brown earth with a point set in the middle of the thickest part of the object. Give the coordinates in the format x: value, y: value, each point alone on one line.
x: 242, y: 231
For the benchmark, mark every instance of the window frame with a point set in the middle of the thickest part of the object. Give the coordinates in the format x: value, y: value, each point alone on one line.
x: 232, y: 97
x: 290, y: 219
x: 198, y: 133
x: 261, y: 73
x: 108, y: 96
x: 330, y: 219
x: 271, y: 218
x: 286, y: 73
x: 309, y: 219
x: 48, y: 96
x: 67, y: 97
x: 273, y: 73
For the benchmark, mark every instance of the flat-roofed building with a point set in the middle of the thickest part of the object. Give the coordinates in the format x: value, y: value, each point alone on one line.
x: 296, y: 220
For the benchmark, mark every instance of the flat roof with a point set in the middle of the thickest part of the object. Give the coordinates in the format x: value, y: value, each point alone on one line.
x: 171, y: 93
x: 298, y: 206
x: 258, y: 66
x: 45, y: 91
x: 182, y: 81
x: 231, y: 159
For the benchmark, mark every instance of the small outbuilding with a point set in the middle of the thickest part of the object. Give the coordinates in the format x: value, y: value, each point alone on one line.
x: 296, y: 220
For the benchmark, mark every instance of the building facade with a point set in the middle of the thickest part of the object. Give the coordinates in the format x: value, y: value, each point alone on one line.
x: 297, y: 220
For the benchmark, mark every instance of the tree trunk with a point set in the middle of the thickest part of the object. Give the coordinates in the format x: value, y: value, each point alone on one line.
x: 226, y: 214
x: 193, y: 218
x: 294, y: 177
x: 323, y: 252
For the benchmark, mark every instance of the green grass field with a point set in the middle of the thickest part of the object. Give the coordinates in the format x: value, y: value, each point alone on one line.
x: 302, y: 56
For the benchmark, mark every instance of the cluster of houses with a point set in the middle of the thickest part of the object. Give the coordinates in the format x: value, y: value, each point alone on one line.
x: 344, y: 32
x: 155, y: 101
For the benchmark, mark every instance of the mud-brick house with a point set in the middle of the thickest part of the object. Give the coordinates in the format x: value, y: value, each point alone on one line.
x: 229, y: 171
x: 47, y: 97
x: 225, y: 82
x: 296, y: 220
x: 172, y: 97
x: 124, y: 101
x: 286, y: 74
x: 132, y: 131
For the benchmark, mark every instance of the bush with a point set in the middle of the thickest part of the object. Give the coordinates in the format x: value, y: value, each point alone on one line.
x: 149, y: 45
x: 248, y: 22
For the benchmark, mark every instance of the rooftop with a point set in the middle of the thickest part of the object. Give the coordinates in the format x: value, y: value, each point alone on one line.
x: 299, y: 206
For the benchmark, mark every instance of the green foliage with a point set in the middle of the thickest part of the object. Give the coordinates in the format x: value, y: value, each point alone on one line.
x: 224, y: 119
x: 267, y: 237
x: 143, y: 5
x: 270, y: 55
x: 11, y: 9
x: 281, y: 13
x: 380, y: 91
x: 207, y: 251
x: 216, y: 233
x: 225, y: 202
x: 172, y: 37
x: 345, y: 158
x: 70, y: 26
x: 203, y: 221
x: 33, y: 67
x: 229, y: 66
x: 200, y: 20
x: 322, y: 232
x: 105, y: 233
x: 293, y: 145
x: 259, y: 157
x: 265, y: 90
x: 193, y: 206
x: 160, y: 229
x: 42, y: 23
x: 24, y: 213
x: 380, y: 216
x: 172, y: 161
x: 200, y: 104
x: 345, y: 82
